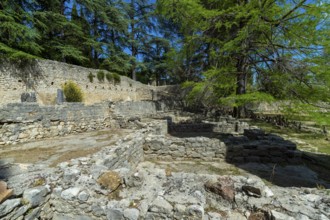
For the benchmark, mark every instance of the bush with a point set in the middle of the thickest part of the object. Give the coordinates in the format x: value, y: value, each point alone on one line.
x: 72, y: 92
x: 116, y: 78
x: 109, y: 77
x: 90, y: 77
x: 100, y: 76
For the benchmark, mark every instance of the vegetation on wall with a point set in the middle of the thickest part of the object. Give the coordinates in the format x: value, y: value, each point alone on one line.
x: 100, y: 75
x: 116, y: 78
x: 109, y: 77
x: 91, y: 77
x: 72, y: 92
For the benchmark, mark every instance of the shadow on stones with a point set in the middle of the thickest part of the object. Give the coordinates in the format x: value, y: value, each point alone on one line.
x: 5, y: 169
x: 276, y: 160
x: 27, y: 71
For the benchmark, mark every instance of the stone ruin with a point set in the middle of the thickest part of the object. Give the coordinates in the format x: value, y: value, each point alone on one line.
x: 123, y: 181
x: 231, y: 169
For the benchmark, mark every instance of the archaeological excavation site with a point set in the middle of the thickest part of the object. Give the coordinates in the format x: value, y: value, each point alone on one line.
x: 132, y: 151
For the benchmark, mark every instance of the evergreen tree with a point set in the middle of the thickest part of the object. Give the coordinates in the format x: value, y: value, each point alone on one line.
x: 17, y: 33
x: 57, y: 31
x: 139, y: 15
x: 251, y: 44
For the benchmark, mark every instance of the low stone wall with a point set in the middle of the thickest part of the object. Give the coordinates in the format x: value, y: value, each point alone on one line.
x: 171, y: 148
x: 226, y: 126
x: 254, y: 146
x: 73, y: 188
x: 24, y: 122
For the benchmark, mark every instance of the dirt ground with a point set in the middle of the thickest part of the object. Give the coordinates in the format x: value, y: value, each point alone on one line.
x: 59, y: 149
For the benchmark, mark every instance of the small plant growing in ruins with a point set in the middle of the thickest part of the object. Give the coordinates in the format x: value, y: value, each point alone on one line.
x: 72, y: 92
x: 109, y: 77
x: 39, y: 182
x: 24, y: 201
x: 100, y: 76
x: 91, y: 77
x: 116, y: 78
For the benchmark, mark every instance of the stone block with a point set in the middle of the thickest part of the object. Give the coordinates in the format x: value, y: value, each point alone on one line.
x: 35, y: 196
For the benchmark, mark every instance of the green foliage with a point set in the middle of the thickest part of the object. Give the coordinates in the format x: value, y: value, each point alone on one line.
x: 100, y: 75
x: 116, y: 78
x: 72, y: 92
x: 252, y: 50
x: 109, y: 77
x: 18, y: 41
x: 91, y: 77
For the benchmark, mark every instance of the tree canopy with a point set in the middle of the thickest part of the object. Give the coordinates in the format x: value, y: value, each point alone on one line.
x: 254, y: 49
x: 226, y: 52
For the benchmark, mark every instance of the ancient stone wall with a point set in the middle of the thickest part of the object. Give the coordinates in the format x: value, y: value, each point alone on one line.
x: 225, y: 126
x: 45, y: 76
x: 73, y: 189
x: 111, y: 184
x: 171, y: 148
x: 254, y: 146
x: 23, y: 122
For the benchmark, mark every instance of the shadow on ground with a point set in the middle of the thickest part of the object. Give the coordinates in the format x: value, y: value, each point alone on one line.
x: 269, y: 156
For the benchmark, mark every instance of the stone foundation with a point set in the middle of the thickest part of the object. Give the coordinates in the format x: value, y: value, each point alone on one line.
x: 170, y: 148
x: 138, y: 190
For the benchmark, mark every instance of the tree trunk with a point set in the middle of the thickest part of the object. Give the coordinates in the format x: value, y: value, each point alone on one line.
x: 239, y: 111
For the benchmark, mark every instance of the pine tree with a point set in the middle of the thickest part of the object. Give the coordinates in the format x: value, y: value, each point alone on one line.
x: 255, y: 48
x: 57, y: 31
x: 139, y: 15
x: 17, y: 34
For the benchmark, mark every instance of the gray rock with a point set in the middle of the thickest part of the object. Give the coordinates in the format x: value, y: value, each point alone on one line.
x: 267, y: 192
x: 113, y: 214
x: 20, y: 212
x: 71, y: 174
x: 131, y: 214
x: 214, y: 216
x: 83, y: 196
x: 195, y: 211
x: 157, y: 216
x: 71, y: 193
x: 97, y: 210
x: 280, y: 216
x: 60, y: 216
x: 32, y: 215
x: 8, y: 206
x: 35, y: 196
x: 160, y: 205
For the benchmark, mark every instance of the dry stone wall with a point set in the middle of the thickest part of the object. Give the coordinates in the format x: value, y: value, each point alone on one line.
x: 45, y: 76
x: 71, y: 189
x: 196, y: 148
x: 23, y: 122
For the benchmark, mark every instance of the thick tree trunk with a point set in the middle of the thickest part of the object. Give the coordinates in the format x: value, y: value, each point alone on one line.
x: 239, y: 111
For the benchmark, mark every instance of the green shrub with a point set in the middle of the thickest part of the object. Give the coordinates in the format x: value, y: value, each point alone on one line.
x: 72, y: 92
x: 90, y: 77
x: 109, y: 77
x: 116, y: 78
x: 100, y: 76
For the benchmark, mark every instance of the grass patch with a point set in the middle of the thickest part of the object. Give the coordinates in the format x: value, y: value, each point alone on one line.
x: 315, y: 140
